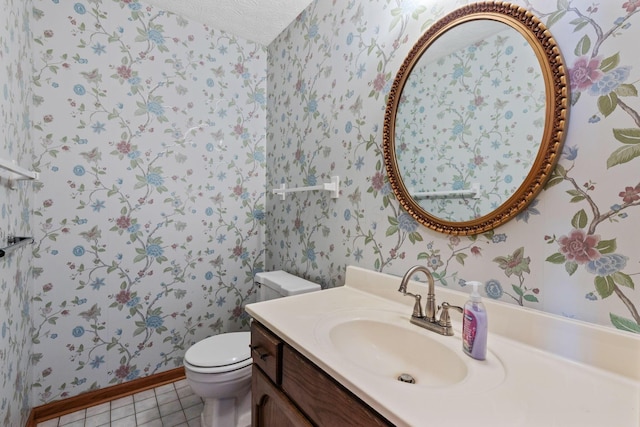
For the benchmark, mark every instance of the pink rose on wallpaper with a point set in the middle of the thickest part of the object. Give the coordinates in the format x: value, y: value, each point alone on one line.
x: 631, y: 6
x: 585, y: 72
x: 579, y: 247
x: 630, y: 194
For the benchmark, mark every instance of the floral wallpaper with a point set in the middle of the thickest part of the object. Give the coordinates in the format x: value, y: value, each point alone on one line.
x: 573, y: 252
x: 149, y: 134
x: 15, y: 212
x: 158, y: 141
x: 470, y: 118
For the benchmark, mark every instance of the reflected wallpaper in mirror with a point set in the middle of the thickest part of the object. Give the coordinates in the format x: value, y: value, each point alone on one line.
x: 470, y: 113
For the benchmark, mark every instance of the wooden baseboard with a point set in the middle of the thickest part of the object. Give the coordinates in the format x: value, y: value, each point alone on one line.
x: 96, y: 397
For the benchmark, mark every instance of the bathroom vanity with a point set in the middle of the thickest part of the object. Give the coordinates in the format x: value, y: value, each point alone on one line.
x: 286, y: 386
x: 334, y: 358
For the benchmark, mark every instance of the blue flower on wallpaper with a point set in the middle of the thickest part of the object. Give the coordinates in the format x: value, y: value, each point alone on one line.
x: 508, y: 115
x: 407, y: 223
x: 607, y: 264
x: 133, y: 228
x: 133, y: 302
x: 79, y: 8
x: 4, y: 329
x: 98, y: 205
x: 458, y: 185
x: 98, y: 127
x: 311, y: 179
x: 531, y: 209
x: 79, y: 90
x: 347, y: 214
x: 134, y: 81
x: 508, y: 50
x: 221, y: 238
x: 311, y: 254
x: 313, y: 31
x: 154, y: 250
x: 154, y: 322
x: 135, y: 6
x: 594, y: 119
x: 78, y: 250
x: 496, y: 82
x: 78, y: 331
x: 258, y: 156
x: 155, y: 179
x: 221, y: 301
x: 155, y: 36
x: 155, y: 108
x: 357, y: 254
x: 99, y: 49
x: 458, y: 71
x: 493, y: 288
x: 312, y: 105
x: 570, y: 152
x: 96, y: 362
x: 508, y: 179
x: 457, y: 129
x: 499, y: 237
x: 97, y: 283
x: 610, y: 81
x: 258, y: 214
x: 259, y: 98
x: 78, y: 170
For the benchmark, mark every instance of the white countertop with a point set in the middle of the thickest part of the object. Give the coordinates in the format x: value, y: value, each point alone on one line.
x: 538, y: 388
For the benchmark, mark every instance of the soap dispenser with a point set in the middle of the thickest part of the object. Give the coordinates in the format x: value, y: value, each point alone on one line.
x: 474, y: 325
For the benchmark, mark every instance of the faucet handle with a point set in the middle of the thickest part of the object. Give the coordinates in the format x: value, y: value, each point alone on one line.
x: 417, y: 307
x: 445, y: 319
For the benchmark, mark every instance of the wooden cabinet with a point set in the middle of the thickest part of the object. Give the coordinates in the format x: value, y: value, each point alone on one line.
x: 289, y: 390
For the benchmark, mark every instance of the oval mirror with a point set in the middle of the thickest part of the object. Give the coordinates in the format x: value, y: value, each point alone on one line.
x: 475, y: 118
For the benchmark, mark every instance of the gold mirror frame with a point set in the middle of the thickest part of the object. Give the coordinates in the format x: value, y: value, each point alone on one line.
x: 553, y: 70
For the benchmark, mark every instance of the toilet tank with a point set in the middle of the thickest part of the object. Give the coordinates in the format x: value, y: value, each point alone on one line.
x: 278, y: 284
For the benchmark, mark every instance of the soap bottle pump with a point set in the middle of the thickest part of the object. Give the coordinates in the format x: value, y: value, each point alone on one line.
x: 474, y: 325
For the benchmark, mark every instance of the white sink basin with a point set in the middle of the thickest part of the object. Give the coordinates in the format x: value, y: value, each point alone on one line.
x: 390, y: 351
x: 384, y: 345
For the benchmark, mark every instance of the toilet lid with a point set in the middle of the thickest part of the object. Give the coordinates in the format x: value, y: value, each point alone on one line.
x: 220, y: 350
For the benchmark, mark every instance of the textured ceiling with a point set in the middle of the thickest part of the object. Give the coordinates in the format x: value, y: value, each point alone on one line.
x: 255, y: 20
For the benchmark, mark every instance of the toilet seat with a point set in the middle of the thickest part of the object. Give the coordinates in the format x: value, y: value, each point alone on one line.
x: 220, y: 353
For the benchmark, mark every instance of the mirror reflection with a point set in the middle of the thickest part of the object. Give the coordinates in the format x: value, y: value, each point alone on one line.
x: 475, y: 118
x: 470, y: 120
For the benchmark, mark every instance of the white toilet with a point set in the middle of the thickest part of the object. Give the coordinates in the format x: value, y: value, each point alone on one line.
x: 218, y: 368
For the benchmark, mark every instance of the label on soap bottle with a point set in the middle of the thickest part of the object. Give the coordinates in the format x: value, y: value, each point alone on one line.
x: 469, y: 328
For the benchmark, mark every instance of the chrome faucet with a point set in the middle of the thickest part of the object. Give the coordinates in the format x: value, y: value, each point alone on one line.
x: 428, y: 320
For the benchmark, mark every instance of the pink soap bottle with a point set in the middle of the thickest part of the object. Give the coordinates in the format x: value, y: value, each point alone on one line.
x: 474, y: 325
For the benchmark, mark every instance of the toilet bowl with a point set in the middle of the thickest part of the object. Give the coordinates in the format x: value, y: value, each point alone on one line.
x: 218, y: 368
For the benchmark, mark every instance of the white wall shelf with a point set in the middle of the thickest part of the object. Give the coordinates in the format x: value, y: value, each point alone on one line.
x: 13, y: 172
x: 333, y: 187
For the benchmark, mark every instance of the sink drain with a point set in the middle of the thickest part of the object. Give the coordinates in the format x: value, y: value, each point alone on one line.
x: 406, y: 378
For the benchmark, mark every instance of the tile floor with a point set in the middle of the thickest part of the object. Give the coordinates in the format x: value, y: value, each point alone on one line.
x: 171, y: 405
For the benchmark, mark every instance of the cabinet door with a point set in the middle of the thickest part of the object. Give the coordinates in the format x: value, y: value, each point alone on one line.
x: 326, y: 402
x: 270, y: 407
